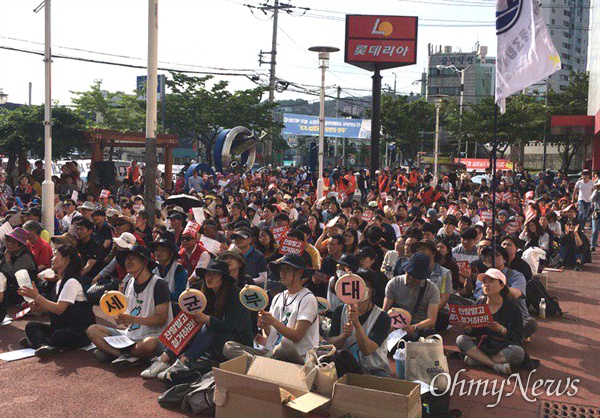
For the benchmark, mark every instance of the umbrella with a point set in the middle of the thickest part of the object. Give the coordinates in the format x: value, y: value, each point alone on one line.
x: 184, y: 200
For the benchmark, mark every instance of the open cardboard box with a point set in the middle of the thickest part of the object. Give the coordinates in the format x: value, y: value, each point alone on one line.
x: 268, y: 388
x: 363, y: 396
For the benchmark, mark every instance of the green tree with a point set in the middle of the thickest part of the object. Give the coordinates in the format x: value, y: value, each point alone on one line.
x: 408, y: 123
x: 111, y: 110
x: 22, y: 129
x: 522, y: 122
x: 199, y: 111
x: 571, y: 101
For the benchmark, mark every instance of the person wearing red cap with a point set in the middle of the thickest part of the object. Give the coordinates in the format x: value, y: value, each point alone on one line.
x: 193, y: 254
x: 499, y: 345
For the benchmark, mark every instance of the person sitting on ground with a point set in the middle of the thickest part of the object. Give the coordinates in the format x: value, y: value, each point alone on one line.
x: 169, y: 269
x: 414, y: 292
x: 362, y: 329
x: 574, y: 247
x: 224, y: 319
x: 499, y: 345
x: 291, y: 325
x: 16, y: 257
x: 515, y: 261
x: 256, y: 263
x: 366, y: 257
x: 348, y: 263
x: 41, y: 250
x: 391, y: 257
x: 148, y: 312
x: 70, y: 312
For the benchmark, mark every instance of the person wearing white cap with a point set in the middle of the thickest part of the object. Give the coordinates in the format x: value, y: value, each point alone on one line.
x: 499, y: 345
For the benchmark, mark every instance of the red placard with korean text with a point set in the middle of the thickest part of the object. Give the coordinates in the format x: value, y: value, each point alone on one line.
x: 512, y: 227
x: 289, y: 245
x: 179, y: 332
x: 279, y: 232
x: 381, y: 41
x: 486, y: 216
x: 475, y: 316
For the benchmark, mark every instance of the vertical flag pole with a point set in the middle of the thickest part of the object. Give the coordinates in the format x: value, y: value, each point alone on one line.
x: 494, y: 184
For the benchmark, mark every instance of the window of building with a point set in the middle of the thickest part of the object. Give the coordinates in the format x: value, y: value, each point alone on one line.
x: 566, y: 12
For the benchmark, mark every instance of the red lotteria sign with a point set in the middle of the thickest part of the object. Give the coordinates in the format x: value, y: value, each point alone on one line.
x: 381, y: 41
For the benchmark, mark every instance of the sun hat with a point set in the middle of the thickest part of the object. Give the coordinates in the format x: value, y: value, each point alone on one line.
x: 417, y: 266
x: 87, y: 206
x: 493, y: 274
x: 126, y: 240
x: 63, y: 239
x: 139, y: 250
x: 217, y: 266
x: 170, y: 245
x: 232, y: 253
x: 19, y: 234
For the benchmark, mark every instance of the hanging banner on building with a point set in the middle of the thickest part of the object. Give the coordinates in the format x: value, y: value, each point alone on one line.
x: 334, y: 127
x: 382, y: 41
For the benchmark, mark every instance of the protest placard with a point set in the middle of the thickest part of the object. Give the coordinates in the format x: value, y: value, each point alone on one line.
x: 199, y: 215
x: 192, y: 228
x: 113, y: 303
x: 368, y: 216
x: 192, y: 301
x: 254, y: 298
x: 320, y: 277
x: 350, y: 288
x: 179, y: 332
x: 291, y: 246
x: 279, y: 232
x: 486, y: 216
x: 512, y: 227
x: 212, y: 245
x: 474, y: 316
x: 400, y: 318
x: 223, y: 222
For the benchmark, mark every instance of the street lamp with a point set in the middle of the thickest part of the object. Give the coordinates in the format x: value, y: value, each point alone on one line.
x: 437, y: 100
x: 461, y: 74
x: 3, y: 97
x: 324, y: 52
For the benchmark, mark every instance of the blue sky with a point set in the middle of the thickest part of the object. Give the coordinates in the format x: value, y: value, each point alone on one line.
x: 196, y: 34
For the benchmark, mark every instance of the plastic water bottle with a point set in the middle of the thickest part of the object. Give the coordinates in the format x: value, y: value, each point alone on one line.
x: 542, y: 309
x: 400, y: 359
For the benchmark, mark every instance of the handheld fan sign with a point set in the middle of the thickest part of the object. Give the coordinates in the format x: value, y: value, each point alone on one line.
x: 350, y: 289
x: 254, y: 298
x: 113, y: 303
x: 400, y: 317
x: 192, y: 301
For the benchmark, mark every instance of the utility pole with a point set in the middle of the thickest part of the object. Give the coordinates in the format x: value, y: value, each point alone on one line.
x: 151, y: 108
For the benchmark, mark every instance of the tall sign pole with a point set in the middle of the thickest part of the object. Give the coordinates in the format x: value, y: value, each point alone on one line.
x: 47, y: 184
x: 376, y: 43
x: 151, y: 108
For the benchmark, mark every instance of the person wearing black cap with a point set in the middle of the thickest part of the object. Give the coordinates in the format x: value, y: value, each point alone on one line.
x: 466, y: 251
x: 449, y: 232
x: 414, y: 292
x: 348, y: 263
x: 103, y: 231
x: 224, y: 319
x: 148, y: 312
x: 91, y: 251
x: 166, y: 254
x: 366, y: 257
x: 362, y: 329
x: 291, y: 325
x: 256, y: 263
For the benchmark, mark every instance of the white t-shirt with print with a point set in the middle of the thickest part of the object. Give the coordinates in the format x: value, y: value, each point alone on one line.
x: 289, y: 309
x: 585, y: 190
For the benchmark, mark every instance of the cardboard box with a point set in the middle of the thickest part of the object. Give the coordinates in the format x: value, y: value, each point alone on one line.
x: 364, y: 396
x: 273, y: 390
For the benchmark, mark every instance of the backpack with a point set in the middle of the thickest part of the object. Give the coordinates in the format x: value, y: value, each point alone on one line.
x: 201, y: 400
x: 535, y: 291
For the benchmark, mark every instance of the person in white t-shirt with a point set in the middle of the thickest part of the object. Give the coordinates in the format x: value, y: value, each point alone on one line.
x: 583, y: 194
x: 290, y: 326
x: 70, y: 312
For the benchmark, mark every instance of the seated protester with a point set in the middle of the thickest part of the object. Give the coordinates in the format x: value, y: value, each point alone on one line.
x: 574, y: 247
x: 463, y: 223
x: 335, y: 247
x: 348, y: 263
x: 446, y: 260
x: 123, y: 224
x: 414, y: 292
x: 267, y: 245
x: 291, y: 325
x: 515, y: 261
x: 41, y: 250
x: 307, y: 258
x: 70, y: 312
x: 169, y: 269
x: 432, y: 219
x: 16, y: 257
x: 142, y: 227
x: 237, y: 267
x: 312, y: 251
x: 111, y: 276
x: 224, y: 319
x: 91, y: 251
x: 450, y: 232
x: 465, y: 252
x: 366, y: 258
x: 401, y: 260
x: 534, y: 236
x: 103, y: 231
x: 441, y: 277
x: 362, y: 330
x: 193, y: 254
x: 373, y: 238
x: 499, y: 345
x: 391, y: 257
x: 148, y: 312
x: 429, y: 232
x: 515, y: 282
x: 256, y: 263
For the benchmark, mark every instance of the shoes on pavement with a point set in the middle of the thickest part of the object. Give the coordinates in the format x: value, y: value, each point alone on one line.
x: 503, y: 368
x: 154, y: 369
x: 578, y: 266
x: 103, y: 357
x: 24, y: 342
x: 125, y: 361
x: 178, y: 366
x: 46, y: 351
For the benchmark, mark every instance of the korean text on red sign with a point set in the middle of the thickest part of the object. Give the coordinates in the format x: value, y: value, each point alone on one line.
x: 179, y: 332
x: 291, y: 246
x: 475, y: 316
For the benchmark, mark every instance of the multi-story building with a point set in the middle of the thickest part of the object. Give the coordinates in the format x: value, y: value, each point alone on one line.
x: 444, y: 73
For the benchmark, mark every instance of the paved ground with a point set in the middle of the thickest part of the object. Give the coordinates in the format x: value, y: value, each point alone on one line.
x: 73, y: 384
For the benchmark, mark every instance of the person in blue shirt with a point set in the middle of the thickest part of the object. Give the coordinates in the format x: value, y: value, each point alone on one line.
x: 195, y: 182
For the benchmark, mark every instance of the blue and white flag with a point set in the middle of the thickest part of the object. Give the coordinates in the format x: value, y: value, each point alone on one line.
x: 526, y: 53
